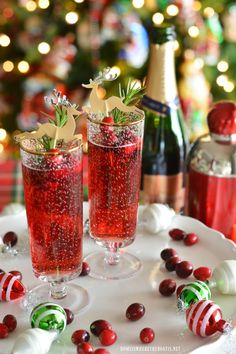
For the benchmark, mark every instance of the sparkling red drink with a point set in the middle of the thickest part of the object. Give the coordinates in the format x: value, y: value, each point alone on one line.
x: 53, y: 197
x: 114, y: 180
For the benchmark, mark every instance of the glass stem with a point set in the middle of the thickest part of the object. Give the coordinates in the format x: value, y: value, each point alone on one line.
x: 58, y: 290
x: 112, y: 255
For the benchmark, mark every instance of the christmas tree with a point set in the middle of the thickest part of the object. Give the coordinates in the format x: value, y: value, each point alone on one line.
x: 46, y: 44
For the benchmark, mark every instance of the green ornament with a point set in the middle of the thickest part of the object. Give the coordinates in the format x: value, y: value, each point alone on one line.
x: 192, y: 293
x: 49, y: 316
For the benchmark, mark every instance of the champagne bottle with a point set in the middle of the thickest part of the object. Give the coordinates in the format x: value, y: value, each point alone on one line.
x: 164, y: 149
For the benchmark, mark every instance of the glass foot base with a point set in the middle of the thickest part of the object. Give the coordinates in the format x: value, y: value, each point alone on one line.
x: 76, y: 299
x: 127, y: 266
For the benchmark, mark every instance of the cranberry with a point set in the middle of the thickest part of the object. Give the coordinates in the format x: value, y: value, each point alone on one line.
x: 54, y: 151
x: 167, y: 287
x: 191, y: 239
x: 17, y: 274
x: 107, y: 337
x: 179, y: 289
x: 4, y: 331
x: 202, y: 273
x: 135, y: 311
x: 101, y: 351
x: 98, y: 326
x: 69, y: 316
x: 177, y: 234
x: 108, y: 119
x: 85, y: 269
x: 167, y: 253
x: 184, y: 269
x: 85, y: 348
x: 11, y: 322
x: 147, y: 335
x: 109, y: 137
x: 172, y: 262
x: 80, y: 336
x: 10, y: 238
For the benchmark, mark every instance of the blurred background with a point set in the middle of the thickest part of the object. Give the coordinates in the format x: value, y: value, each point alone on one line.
x: 62, y: 43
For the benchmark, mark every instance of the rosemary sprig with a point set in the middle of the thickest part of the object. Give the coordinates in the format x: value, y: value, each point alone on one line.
x: 130, y: 96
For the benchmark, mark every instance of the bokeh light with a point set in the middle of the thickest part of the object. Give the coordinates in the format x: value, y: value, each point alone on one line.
x: 8, y: 66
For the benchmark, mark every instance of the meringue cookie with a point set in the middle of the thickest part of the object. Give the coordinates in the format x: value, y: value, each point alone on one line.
x: 156, y: 217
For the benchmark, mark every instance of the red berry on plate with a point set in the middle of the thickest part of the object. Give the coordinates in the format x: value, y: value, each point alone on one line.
x: 147, y: 335
x: 85, y: 269
x: 69, y: 316
x: 85, y: 348
x: 202, y: 273
x: 17, y: 274
x: 179, y: 289
x: 4, y: 331
x: 107, y: 337
x: 167, y: 287
x: 11, y: 322
x: 184, y: 269
x: 101, y: 351
x: 98, y: 326
x: 172, y: 262
x: 10, y: 238
x: 135, y: 311
x: 108, y: 119
x: 80, y: 336
x: 191, y: 239
x: 167, y: 253
x: 177, y: 234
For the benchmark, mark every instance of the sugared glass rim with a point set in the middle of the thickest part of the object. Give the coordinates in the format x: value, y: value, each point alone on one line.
x: 140, y: 113
x: 52, y: 153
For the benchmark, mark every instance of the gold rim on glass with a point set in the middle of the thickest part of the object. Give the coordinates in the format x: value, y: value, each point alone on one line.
x: 51, y: 153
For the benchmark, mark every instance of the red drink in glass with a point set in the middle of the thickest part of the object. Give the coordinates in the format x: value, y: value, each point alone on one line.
x: 114, y: 180
x: 53, y: 197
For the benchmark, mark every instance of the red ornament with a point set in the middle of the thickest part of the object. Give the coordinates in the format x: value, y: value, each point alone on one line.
x: 222, y: 118
x: 204, y: 318
x: 10, y: 287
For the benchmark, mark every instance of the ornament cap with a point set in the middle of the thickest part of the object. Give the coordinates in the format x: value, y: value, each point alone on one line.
x: 222, y: 120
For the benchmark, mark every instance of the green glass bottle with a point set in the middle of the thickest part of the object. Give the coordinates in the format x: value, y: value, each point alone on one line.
x: 164, y: 149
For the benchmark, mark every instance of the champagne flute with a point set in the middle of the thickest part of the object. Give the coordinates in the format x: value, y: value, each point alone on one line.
x: 114, y: 158
x: 54, y: 208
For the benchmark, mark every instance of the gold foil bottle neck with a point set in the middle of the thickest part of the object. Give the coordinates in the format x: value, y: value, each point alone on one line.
x: 161, y: 82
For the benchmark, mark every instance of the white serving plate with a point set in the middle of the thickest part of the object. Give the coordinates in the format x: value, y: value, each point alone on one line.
x: 109, y: 299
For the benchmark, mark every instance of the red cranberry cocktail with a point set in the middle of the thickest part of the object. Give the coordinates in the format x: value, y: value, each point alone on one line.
x: 114, y: 153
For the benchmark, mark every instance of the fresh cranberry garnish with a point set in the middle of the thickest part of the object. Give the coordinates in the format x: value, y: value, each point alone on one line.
x: 85, y: 348
x: 17, y: 274
x: 108, y: 119
x: 172, y: 262
x: 177, y: 234
x: 98, y: 326
x: 135, y: 311
x: 101, y: 351
x: 167, y: 287
x: 11, y: 322
x: 184, y: 269
x: 107, y: 337
x: 80, y: 336
x: 167, y: 253
x: 179, y: 289
x: 4, y: 331
x: 69, y: 316
x: 85, y: 269
x: 202, y: 273
x: 190, y: 239
x: 147, y: 335
x: 10, y: 238
x: 54, y: 151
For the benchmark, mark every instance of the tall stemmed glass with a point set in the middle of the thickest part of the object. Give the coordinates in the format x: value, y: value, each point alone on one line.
x: 114, y: 158
x: 54, y: 202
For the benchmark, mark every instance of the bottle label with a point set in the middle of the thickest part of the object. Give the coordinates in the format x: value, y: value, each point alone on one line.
x: 162, y: 108
x: 164, y: 189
